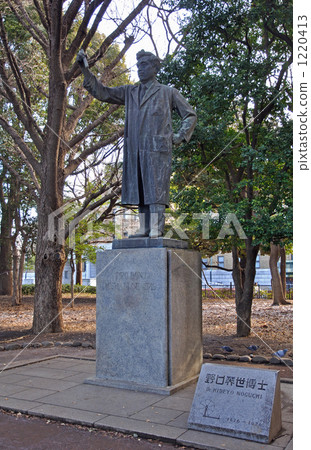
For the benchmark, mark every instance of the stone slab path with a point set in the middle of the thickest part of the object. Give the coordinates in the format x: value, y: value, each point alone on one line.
x: 53, y: 388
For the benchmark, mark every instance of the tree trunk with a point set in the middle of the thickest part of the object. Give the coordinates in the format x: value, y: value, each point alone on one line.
x: 79, y: 269
x: 7, y: 206
x: 16, y: 296
x: 244, y: 286
x: 283, y: 270
x: 72, y: 278
x: 6, y: 281
x: 21, y: 269
x: 277, y: 287
x: 50, y: 250
x: 50, y: 261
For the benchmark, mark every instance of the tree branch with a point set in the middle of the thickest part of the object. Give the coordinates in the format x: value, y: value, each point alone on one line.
x: 216, y: 267
x: 22, y: 181
x: 27, y: 119
x: 281, y: 36
x: 78, y: 138
x: 75, y: 70
x: 267, y: 109
x: 84, y: 211
x: 106, y: 76
x: 107, y: 186
x: 82, y: 31
x: 43, y: 18
x: 73, y: 164
x: 47, y: 12
x: 95, y: 24
x: 28, y: 24
x: 70, y: 15
x: 22, y: 147
x: 118, y: 31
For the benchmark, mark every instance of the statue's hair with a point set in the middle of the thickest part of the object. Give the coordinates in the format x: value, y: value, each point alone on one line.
x: 156, y: 62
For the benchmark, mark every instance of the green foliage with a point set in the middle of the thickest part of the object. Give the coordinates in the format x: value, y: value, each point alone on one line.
x: 234, y: 69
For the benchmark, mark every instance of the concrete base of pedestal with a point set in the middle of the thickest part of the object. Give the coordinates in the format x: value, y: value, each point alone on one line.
x: 131, y: 386
x: 149, y: 319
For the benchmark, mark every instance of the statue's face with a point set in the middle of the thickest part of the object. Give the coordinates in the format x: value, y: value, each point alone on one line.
x: 146, y: 70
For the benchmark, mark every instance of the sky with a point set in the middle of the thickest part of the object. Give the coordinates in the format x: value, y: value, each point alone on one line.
x: 122, y: 9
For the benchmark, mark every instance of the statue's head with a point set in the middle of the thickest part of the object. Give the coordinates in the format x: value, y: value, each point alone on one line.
x: 148, y: 65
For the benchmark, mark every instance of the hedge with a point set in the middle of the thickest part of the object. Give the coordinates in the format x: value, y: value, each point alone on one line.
x: 29, y: 289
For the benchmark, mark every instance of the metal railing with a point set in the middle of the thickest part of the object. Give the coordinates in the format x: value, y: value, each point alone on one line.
x: 228, y: 291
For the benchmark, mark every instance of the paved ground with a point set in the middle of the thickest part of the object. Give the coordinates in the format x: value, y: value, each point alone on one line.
x: 20, y: 432
x: 54, y: 389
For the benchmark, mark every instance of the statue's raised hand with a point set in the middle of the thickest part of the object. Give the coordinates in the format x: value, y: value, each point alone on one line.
x: 81, y: 58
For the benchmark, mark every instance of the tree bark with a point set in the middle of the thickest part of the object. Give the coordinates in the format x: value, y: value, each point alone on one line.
x: 277, y: 285
x: 243, y: 274
x: 72, y: 278
x: 21, y: 269
x: 49, y: 265
x: 16, y: 295
x: 79, y: 270
x: 6, y: 281
x: 283, y: 269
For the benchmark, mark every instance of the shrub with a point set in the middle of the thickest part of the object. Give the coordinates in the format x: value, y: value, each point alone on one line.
x: 29, y: 289
x: 79, y: 288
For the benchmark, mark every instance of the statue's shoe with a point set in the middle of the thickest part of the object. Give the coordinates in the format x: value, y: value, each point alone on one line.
x: 155, y: 233
x: 139, y: 235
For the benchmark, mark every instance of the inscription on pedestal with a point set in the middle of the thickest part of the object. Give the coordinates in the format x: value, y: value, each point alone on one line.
x: 130, y: 280
x: 132, y: 295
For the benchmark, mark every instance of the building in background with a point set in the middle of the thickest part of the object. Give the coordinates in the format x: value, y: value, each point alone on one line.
x: 220, y: 274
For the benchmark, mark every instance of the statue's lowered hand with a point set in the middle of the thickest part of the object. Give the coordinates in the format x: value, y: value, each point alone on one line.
x: 81, y: 59
x: 177, y: 139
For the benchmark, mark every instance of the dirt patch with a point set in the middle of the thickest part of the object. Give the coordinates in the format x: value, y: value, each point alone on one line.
x: 79, y: 321
x: 272, y: 326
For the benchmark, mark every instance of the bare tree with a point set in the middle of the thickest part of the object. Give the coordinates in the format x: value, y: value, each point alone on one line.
x: 52, y: 145
x: 163, y: 26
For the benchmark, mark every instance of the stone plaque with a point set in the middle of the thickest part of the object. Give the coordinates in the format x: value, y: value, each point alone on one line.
x: 237, y: 401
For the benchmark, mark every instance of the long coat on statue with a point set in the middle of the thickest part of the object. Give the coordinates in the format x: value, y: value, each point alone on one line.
x: 148, y: 136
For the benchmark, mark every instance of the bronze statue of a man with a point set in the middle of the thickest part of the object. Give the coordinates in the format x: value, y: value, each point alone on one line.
x: 148, y: 137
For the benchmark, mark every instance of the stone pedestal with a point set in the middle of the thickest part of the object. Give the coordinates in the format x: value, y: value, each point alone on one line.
x: 149, y: 318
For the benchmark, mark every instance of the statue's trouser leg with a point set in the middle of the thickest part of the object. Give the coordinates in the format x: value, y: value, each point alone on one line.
x: 157, y: 220
x: 144, y: 222
x: 144, y: 214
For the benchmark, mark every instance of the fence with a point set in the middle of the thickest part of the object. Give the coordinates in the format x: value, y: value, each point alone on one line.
x: 228, y: 291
